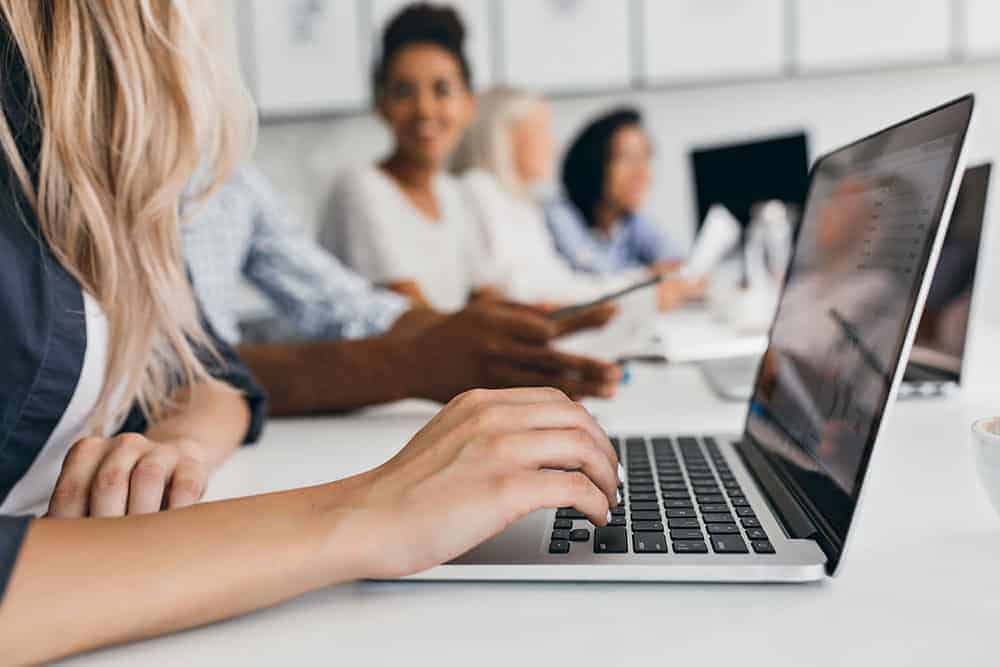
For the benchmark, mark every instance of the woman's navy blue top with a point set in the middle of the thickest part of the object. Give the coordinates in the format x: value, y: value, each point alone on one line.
x: 42, y: 329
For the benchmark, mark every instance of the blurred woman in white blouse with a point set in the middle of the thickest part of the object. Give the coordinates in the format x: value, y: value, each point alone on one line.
x: 505, y: 154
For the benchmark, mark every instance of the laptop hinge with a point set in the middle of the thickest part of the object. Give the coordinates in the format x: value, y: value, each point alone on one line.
x: 796, y: 522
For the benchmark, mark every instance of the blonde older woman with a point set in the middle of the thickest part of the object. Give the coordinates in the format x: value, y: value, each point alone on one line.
x: 505, y: 154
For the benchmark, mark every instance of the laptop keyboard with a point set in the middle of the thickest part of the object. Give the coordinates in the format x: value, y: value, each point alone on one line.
x: 680, y: 501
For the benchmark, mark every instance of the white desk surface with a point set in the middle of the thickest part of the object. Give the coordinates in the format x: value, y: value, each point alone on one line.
x: 920, y: 584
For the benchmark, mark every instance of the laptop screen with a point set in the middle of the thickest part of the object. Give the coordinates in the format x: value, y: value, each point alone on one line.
x: 732, y: 174
x: 937, y: 351
x: 869, y: 226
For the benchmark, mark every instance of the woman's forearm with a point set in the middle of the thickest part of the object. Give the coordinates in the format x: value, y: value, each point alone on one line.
x: 83, y: 583
x: 212, y: 413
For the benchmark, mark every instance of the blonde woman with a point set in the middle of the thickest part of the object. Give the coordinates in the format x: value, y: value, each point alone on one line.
x: 506, y: 153
x: 108, y: 110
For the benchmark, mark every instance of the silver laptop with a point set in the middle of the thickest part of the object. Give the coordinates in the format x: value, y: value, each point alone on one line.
x: 777, y: 502
x: 938, y: 355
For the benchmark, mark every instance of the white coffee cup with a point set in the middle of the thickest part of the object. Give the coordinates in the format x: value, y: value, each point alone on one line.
x: 986, y: 443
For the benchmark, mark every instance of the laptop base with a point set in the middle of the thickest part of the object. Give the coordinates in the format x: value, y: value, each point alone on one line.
x: 521, y: 552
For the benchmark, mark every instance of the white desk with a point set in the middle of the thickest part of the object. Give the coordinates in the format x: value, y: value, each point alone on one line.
x: 921, y: 582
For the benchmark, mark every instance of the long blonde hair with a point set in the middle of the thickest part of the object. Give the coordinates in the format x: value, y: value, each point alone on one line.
x: 487, y: 143
x: 134, y: 97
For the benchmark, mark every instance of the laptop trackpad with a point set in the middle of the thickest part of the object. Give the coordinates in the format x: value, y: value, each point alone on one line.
x: 521, y: 542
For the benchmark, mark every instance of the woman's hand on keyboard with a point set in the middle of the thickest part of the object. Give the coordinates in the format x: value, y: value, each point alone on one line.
x: 486, y: 460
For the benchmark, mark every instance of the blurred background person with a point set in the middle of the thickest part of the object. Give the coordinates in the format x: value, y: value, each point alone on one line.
x: 598, y: 227
x: 335, y: 342
x: 402, y: 223
x: 505, y: 154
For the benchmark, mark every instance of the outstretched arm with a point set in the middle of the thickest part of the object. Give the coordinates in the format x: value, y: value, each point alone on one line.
x: 483, y: 462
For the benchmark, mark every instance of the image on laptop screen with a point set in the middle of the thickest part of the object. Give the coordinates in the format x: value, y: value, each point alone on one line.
x: 871, y: 219
x: 732, y: 174
x: 937, y: 351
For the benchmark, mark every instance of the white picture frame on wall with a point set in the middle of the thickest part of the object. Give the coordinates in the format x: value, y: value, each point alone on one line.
x: 980, y: 30
x: 566, y: 46
x: 838, y: 35
x: 303, y: 57
x: 696, y: 40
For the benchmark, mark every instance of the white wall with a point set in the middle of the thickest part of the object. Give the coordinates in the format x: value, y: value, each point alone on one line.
x: 303, y: 157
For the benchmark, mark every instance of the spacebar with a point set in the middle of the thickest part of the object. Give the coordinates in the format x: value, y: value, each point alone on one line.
x: 610, y: 540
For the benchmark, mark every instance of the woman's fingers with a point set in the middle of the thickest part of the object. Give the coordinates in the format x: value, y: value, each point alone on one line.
x: 187, y: 485
x: 71, y: 496
x: 493, y: 422
x: 149, y: 480
x: 554, y: 488
x: 569, y: 449
x: 109, y: 490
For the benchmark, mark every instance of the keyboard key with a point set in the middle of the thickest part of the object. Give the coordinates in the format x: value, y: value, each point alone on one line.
x: 707, y: 488
x: 642, y: 497
x: 674, y: 486
x: 642, y: 505
x: 617, y: 521
x: 618, y: 511
x: 570, y: 513
x: 680, y: 513
x: 647, y: 526
x: 662, y: 442
x: 560, y: 535
x: 732, y: 485
x: 750, y: 522
x: 740, y: 502
x: 579, y: 535
x: 559, y: 547
x: 728, y: 544
x: 744, y: 511
x: 704, y: 498
x: 676, y: 495
x: 645, y: 516
x: 723, y: 529
x: 563, y: 524
x: 641, y: 488
x: 686, y: 534
x: 756, y: 534
x: 683, y: 523
x: 719, y: 517
x: 611, y: 540
x: 671, y: 479
x: 690, y: 547
x: 640, y: 479
x: 714, y: 507
x: 649, y: 543
x: 678, y: 503
x: 762, y: 547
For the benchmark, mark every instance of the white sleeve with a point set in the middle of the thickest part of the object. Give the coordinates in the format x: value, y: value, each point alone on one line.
x: 364, y: 233
x: 480, y: 241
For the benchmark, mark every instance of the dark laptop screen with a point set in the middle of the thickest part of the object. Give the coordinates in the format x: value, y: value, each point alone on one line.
x: 872, y: 215
x: 744, y: 174
x: 937, y: 351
